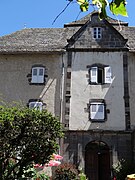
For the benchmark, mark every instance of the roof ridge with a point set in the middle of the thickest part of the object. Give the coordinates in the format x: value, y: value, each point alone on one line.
x: 86, y: 18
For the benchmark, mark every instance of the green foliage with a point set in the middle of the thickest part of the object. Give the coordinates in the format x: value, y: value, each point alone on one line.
x: 123, y: 168
x: 66, y: 171
x: 32, y: 173
x: 84, y: 5
x: 117, y: 7
x: 26, y: 136
x: 82, y: 176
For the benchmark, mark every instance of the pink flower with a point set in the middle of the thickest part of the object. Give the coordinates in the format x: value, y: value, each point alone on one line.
x: 57, y: 157
x: 38, y: 166
x: 53, y: 163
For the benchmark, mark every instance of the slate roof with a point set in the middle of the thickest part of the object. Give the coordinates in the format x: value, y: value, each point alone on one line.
x: 128, y: 33
x: 34, y: 40
x: 55, y: 39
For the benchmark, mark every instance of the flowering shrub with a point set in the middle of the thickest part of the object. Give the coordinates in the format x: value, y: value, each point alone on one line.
x: 66, y: 171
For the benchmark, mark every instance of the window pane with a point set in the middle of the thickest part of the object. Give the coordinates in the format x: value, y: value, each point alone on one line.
x: 97, y: 111
x: 95, y: 33
x: 99, y: 32
x: 41, y: 72
x: 31, y: 105
x: 94, y: 30
x: 36, y: 105
x: 93, y: 107
x: 100, y: 107
x: 34, y: 72
x: 39, y: 106
x: 99, y: 36
x: 94, y: 71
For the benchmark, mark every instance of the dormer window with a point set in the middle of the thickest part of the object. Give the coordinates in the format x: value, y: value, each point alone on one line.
x: 97, y: 33
x: 38, y: 75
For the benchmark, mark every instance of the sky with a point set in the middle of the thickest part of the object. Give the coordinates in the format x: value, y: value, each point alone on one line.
x: 18, y: 14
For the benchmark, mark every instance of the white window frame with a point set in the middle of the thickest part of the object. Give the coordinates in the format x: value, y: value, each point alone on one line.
x: 95, y: 111
x: 106, y: 75
x: 93, y: 74
x: 37, y: 77
x: 97, y: 32
x: 37, y: 105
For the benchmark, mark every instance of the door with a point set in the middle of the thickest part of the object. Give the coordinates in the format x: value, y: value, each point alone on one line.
x: 97, y: 161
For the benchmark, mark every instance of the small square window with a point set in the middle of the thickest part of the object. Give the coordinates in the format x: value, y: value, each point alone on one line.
x: 38, y: 75
x: 36, y: 105
x: 97, y: 111
x: 100, y: 108
x: 97, y: 33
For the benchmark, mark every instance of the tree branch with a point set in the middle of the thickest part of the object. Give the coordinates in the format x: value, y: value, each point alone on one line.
x: 61, y: 12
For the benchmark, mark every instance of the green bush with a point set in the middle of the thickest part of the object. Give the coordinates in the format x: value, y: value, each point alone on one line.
x: 82, y: 176
x: 123, y: 168
x: 34, y: 174
x: 66, y: 171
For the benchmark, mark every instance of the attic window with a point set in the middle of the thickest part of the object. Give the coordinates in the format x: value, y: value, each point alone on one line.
x: 97, y: 32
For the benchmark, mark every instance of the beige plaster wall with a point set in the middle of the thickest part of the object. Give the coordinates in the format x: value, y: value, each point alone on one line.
x: 14, y: 85
x: 82, y: 92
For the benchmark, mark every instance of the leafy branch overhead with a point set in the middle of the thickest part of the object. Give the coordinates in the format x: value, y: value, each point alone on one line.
x: 117, y: 7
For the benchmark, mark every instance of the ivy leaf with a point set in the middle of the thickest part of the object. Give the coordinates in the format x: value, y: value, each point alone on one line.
x: 118, y: 7
x: 84, y: 5
x: 101, y: 5
x: 97, y: 3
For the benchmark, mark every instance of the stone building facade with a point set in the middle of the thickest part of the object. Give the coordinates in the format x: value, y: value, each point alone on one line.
x: 83, y: 73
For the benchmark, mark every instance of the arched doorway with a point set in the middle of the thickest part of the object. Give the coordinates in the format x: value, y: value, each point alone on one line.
x: 97, y: 161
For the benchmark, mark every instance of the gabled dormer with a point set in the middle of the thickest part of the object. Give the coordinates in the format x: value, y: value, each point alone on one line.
x: 96, y: 34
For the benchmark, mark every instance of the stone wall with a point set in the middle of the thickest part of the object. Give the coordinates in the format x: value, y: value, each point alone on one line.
x: 119, y: 143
